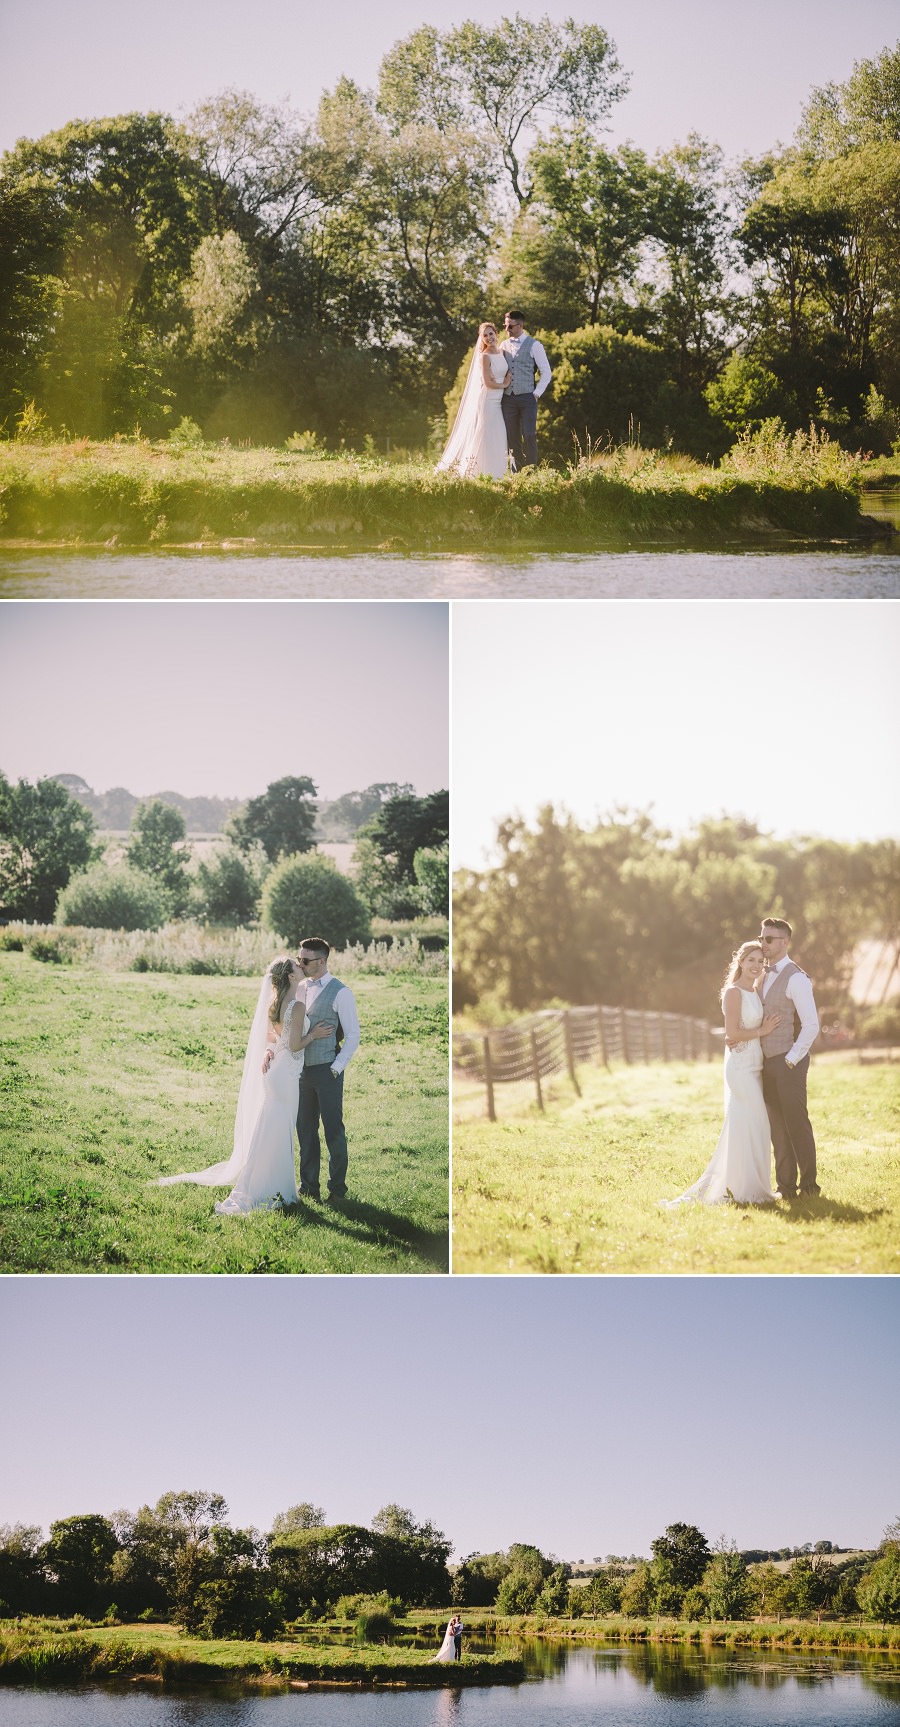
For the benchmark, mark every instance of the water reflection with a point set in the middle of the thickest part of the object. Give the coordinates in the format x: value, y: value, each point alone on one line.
x: 830, y: 573
x: 633, y: 1685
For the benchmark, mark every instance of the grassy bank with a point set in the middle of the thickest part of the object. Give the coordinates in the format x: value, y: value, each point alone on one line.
x: 151, y: 495
x: 46, y: 1652
x: 579, y: 1189
x: 113, y: 1079
x: 730, y: 1634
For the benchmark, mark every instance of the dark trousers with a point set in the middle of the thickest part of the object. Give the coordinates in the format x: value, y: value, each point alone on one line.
x: 520, y: 419
x: 457, y: 1644
x: 322, y: 1099
x: 784, y: 1089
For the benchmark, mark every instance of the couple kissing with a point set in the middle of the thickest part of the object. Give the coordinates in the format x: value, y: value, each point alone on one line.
x: 496, y: 425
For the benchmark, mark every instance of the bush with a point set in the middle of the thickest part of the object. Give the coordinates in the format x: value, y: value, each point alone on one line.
x: 879, y: 1024
x: 226, y: 890
x: 120, y: 898
x: 431, y: 867
x: 376, y: 1627
x: 606, y: 386
x: 306, y: 895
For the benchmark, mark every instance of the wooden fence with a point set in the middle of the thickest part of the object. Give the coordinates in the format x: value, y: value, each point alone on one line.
x: 556, y: 1040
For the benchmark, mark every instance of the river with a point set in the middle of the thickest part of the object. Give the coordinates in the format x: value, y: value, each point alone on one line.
x: 838, y: 571
x: 639, y: 1686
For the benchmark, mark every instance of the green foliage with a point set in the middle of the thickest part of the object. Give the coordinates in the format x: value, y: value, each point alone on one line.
x: 431, y: 868
x: 638, y: 1592
x: 725, y: 1582
x: 305, y: 1516
x: 226, y: 889
x: 606, y: 385
x: 375, y: 1627
x: 385, y: 855
x: 45, y: 836
x: 684, y: 1552
x: 282, y: 819
x: 79, y: 1553
x: 154, y: 849
x: 308, y: 896
x: 120, y: 898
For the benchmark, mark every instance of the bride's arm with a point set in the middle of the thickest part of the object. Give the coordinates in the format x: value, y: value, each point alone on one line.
x: 490, y: 382
x: 735, y: 1032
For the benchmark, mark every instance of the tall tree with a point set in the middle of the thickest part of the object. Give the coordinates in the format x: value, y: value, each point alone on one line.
x: 45, y: 836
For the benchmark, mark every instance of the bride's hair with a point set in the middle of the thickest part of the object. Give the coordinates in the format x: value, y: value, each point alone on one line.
x: 281, y: 972
x: 737, y: 960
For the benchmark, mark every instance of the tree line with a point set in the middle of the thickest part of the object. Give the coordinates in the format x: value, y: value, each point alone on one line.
x: 52, y: 865
x: 181, y: 1561
x: 630, y: 914
x: 258, y: 274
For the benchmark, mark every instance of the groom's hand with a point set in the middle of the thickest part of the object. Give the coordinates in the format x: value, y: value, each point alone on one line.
x: 267, y: 1061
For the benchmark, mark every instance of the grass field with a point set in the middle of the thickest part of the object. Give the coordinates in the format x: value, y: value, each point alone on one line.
x: 579, y: 1189
x: 52, y: 1652
x: 110, y: 1080
x: 143, y: 494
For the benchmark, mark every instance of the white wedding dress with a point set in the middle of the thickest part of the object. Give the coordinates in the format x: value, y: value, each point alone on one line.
x: 740, y: 1167
x: 447, y: 1651
x: 262, y: 1163
x: 477, y: 443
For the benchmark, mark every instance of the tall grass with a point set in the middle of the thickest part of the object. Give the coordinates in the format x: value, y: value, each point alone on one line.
x: 202, y: 952
x: 152, y: 495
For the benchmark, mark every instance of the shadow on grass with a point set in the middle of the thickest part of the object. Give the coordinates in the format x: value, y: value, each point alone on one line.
x: 813, y: 1208
x: 379, y: 1225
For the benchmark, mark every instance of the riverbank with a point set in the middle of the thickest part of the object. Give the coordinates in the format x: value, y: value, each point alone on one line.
x: 130, y: 495
x: 785, y: 1634
x: 48, y: 1652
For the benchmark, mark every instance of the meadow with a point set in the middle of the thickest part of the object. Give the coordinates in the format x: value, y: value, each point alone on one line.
x: 137, y: 493
x: 46, y: 1651
x: 579, y: 1188
x: 113, y: 1078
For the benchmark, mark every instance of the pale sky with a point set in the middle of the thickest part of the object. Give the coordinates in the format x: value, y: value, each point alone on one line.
x: 588, y: 704
x: 737, y: 73
x: 219, y: 698
x: 582, y: 1414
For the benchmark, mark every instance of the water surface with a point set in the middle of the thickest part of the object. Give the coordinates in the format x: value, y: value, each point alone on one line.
x: 832, y: 572
x: 635, y: 1687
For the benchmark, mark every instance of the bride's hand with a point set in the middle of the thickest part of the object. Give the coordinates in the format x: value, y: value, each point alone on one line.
x: 319, y: 1031
x: 769, y: 1023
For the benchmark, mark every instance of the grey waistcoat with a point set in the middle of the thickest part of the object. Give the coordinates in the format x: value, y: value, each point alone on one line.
x: 779, y: 1041
x: 322, y: 1012
x: 522, y: 368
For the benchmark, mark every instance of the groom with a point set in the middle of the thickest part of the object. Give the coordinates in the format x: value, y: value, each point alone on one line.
x: 786, y: 990
x: 328, y: 1002
x: 520, y: 398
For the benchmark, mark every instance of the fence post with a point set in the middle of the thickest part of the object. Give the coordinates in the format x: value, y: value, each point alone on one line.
x: 570, y: 1053
x: 623, y: 1033
x: 489, y: 1078
x: 537, y: 1069
x: 601, y: 1034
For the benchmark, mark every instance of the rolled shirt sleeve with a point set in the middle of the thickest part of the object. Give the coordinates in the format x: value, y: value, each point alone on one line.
x: 800, y: 992
x: 345, y: 1008
x: 539, y: 356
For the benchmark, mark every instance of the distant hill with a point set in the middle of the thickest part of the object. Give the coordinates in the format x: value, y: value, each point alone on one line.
x: 336, y: 821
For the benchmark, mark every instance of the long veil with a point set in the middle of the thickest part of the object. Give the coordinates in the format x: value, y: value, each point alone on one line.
x: 458, y: 453
x: 249, y: 1104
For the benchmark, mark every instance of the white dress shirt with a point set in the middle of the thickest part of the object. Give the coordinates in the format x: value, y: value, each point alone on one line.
x: 345, y: 1008
x: 511, y: 346
x: 800, y: 994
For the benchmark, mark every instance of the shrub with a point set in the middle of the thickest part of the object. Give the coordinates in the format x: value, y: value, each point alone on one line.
x: 375, y: 1627
x: 306, y: 895
x: 120, y: 898
x: 604, y: 385
x: 226, y: 890
x: 431, y: 867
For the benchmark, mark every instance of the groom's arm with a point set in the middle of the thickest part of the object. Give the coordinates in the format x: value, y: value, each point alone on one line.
x: 800, y: 992
x: 345, y: 1008
x: 539, y: 356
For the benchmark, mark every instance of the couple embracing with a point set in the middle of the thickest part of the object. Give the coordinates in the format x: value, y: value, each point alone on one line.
x: 496, y: 424
x: 305, y: 1031
x: 770, y: 1026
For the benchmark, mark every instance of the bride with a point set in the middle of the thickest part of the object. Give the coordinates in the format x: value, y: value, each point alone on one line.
x: 262, y: 1162
x: 447, y: 1651
x: 478, y: 443
x: 741, y: 1163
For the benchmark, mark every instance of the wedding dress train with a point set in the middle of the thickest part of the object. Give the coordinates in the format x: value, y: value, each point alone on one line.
x: 740, y: 1167
x: 478, y: 442
x: 262, y: 1163
x: 447, y: 1651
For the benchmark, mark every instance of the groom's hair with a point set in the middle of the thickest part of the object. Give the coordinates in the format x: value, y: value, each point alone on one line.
x: 511, y: 314
x: 316, y: 944
x: 778, y: 923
